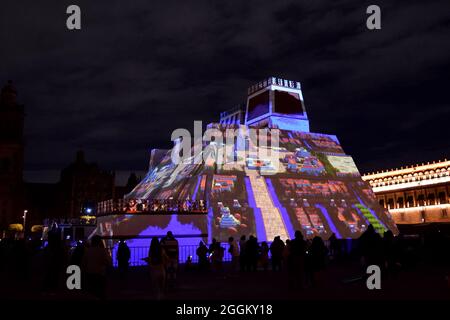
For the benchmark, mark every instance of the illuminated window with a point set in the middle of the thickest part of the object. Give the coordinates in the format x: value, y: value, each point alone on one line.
x: 431, y: 199
x: 442, y: 197
x: 390, y: 203
x: 400, y: 203
x: 421, y: 199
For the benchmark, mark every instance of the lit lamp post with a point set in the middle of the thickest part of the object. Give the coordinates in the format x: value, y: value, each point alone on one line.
x: 24, y: 221
x: 422, y: 212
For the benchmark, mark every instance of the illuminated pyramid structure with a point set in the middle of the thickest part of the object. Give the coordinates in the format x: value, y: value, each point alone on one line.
x: 315, y: 188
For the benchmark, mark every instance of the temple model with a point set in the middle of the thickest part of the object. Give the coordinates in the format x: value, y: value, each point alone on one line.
x: 315, y: 188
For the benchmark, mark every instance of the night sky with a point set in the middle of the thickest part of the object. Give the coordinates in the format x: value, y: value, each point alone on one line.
x: 138, y: 69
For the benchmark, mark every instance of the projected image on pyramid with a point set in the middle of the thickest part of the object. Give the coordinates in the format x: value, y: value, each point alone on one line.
x: 306, y: 182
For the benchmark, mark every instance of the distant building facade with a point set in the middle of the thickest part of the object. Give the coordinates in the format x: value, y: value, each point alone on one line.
x: 415, y: 194
x: 82, y: 185
x: 132, y: 182
x: 71, y: 198
x: 41, y: 202
x: 11, y: 157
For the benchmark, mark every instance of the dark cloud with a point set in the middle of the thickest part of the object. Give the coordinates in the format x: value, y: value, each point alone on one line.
x: 138, y: 70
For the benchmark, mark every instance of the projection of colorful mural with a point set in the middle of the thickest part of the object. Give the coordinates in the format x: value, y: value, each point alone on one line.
x: 317, y: 189
x: 308, y: 184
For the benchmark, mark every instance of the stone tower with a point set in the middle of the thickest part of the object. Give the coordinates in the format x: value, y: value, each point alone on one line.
x: 11, y: 157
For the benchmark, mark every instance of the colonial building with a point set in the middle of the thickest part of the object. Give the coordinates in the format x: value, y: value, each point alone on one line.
x: 76, y: 195
x: 82, y: 185
x: 11, y: 157
x: 415, y: 194
x: 41, y: 202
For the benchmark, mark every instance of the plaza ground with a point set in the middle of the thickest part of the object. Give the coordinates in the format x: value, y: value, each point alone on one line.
x: 341, y: 281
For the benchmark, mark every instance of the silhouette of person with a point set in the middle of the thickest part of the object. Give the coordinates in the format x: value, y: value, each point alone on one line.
x: 123, y: 261
x: 234, y: 252
x: 335, y: 247
x: 264, y: 255
x: 54, y: 259
x: 390, y: 253
x: 287, y: 255
x: 242, y: 253
x: 171, y: 248
x: 157, y: 260
x: 276, y: 249
x: 252, y: 250
x: 217, y: 256
x: 297, y: 261
x: 202, y: 254
x: 318, y: 254
x: 212, y: 246
x: 371, y: 246
x: 96, y: 260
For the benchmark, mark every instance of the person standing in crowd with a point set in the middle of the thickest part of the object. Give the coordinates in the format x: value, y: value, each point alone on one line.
x: 202, y: 254
x: 171, y: 248
x: 234, y: 252
x: 264, y: 256
x: 335, y: 247
x: 390, y: 252
x: 123, y: 261
x: 157, y: 261
x: 371, y: 246
x: 53, y: 259
x: 212, y: 246
x: 252, y: 251
x: 96, y: 260
x: 297, y: 261
x: 242, y: 253
x: 217, y: 256
x: 287, y: 255
x: 276, y: 249
x: 318, y: 253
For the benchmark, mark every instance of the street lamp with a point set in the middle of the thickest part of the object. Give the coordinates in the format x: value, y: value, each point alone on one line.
x: 24, y: 220
x: 422, y: 213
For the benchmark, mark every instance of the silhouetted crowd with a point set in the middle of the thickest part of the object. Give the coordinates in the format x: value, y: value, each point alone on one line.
x: 152, y: 206
x: 303, y: 261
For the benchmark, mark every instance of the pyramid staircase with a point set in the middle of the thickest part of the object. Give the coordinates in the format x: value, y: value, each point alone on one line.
x: 273, y: 222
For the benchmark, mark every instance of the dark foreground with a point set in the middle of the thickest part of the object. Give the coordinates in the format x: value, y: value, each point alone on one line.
x: 340, y: 281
